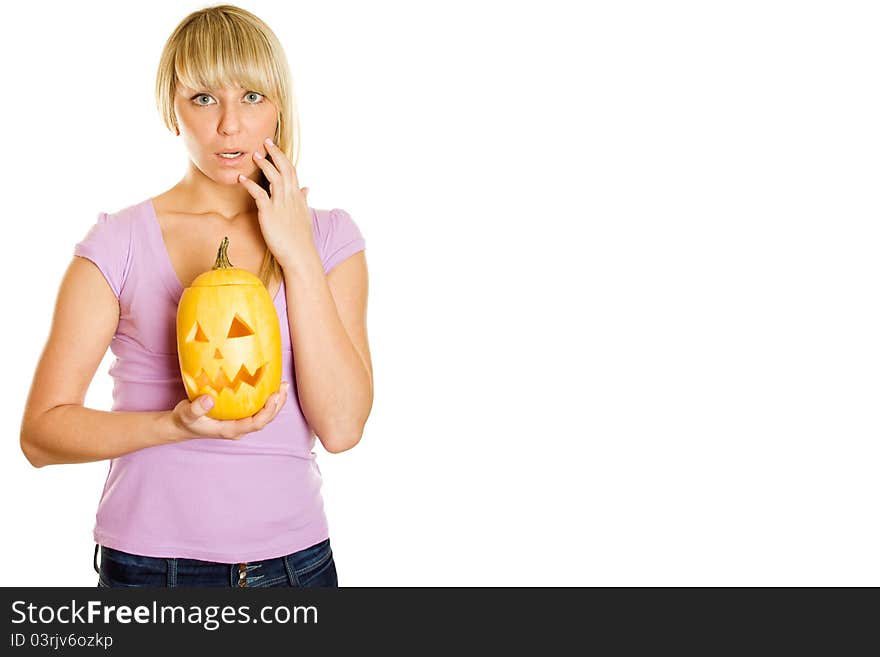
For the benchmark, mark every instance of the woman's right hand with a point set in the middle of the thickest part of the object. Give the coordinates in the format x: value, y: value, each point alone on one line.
x: 190, y: 421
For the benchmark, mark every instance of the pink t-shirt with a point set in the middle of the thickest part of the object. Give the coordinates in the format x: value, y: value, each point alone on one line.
x: 228, y: 501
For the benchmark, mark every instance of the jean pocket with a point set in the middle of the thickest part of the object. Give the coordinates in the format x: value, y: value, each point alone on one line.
x: 314, y: 566
x: 322, y: 576
x: 123, y: 569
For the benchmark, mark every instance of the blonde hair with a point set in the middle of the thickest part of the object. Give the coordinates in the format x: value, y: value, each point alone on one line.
x: 222, y: 45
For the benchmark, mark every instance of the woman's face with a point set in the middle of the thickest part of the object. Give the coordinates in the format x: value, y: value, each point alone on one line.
x: 214, y: 121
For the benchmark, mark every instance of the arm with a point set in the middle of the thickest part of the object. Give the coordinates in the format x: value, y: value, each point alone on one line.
x: 55, y: 427
x: 334, y: 374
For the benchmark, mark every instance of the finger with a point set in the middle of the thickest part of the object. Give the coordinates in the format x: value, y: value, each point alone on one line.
x: 272, y: 174
x: 235, y: 429
x: 262, y: 418
x: 199, y: 407
x: 276, y: 408
x: 282, y: 399
x: 282, y: 163
x: 259, y: 194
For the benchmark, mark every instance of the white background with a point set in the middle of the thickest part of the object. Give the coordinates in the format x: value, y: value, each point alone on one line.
x: 623, y: 270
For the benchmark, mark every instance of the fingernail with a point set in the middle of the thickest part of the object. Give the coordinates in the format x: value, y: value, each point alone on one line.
x: 269, y: 141
x: 207, y: 403
x: 257, y: 155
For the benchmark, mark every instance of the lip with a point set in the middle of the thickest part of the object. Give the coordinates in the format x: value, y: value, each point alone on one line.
x: 231, y: 161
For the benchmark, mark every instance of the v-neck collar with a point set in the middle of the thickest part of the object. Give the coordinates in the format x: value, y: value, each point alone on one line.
x: 172, y: 282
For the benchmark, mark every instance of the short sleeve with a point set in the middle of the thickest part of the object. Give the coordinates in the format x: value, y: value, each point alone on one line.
x: 341, y: 239
x: 108, y: 245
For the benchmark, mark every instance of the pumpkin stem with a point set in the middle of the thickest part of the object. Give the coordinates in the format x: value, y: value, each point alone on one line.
x: 222, y: 261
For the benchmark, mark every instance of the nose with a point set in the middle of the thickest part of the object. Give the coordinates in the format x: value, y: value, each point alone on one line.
x: 217, y: 354
x: 229, y: 121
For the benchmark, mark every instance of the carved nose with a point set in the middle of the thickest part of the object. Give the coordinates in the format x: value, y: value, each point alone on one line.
x: 217, y: 354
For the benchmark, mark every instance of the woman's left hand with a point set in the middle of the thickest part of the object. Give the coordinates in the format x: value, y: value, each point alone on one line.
x: 284, y: 216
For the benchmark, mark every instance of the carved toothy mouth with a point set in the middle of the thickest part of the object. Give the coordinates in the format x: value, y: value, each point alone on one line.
x: 221, y: 380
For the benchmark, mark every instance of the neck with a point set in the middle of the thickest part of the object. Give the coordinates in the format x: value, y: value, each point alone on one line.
x: 206, y: 196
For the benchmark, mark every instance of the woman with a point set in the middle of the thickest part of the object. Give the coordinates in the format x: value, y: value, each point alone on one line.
x: 189, y: 500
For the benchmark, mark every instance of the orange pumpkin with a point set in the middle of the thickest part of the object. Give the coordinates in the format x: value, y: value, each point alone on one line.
x: 229, y: 340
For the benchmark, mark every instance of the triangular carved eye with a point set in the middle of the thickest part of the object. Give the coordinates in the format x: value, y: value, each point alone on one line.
x: 196, y: 333
x: 239, y: 329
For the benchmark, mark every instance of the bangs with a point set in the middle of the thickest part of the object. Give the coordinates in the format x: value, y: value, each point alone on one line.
x: 216, y: 53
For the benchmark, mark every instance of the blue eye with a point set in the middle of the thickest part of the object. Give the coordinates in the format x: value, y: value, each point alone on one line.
x: 250, y: 93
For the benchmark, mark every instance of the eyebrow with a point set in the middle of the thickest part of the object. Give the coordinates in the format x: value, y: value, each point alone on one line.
x: 188, y: 90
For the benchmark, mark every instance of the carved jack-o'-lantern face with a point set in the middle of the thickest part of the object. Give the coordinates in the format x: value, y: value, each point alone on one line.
x: 229, y: 340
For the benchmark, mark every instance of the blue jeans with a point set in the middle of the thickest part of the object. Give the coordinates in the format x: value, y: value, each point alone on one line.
x: 313, y: 566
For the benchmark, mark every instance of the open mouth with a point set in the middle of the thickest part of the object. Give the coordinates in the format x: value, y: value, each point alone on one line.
x: 230, y: 157
x: 221, y: 380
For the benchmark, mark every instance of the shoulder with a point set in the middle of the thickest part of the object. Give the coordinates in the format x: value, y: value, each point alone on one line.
x: 108, y: 243
x: 337, y: 235
x: 327, y: 219
x: 122, y: 220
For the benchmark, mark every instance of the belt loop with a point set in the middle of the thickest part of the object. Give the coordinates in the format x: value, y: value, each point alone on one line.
x: 291, y: 572
x: 171, y: 580
x: 95, y: 559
